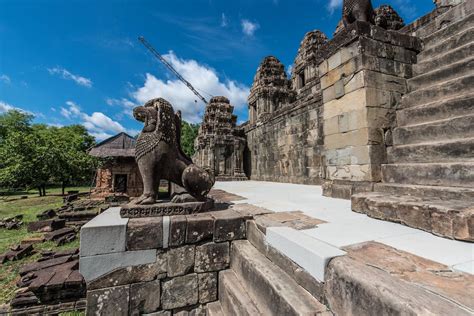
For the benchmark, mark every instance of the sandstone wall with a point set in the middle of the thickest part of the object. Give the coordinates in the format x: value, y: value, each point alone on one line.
x: 285, y: 148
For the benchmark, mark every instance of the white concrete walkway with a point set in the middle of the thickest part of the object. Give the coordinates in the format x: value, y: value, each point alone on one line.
x: 345, y: 227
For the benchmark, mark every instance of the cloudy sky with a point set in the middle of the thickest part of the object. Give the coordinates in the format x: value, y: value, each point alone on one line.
x: 80, y: 61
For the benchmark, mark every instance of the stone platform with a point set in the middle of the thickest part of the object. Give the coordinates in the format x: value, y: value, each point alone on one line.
x: 343, y: 227
x: 166, y: 208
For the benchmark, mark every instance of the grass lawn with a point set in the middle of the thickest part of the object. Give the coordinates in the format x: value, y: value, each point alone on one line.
x: 12, y: 205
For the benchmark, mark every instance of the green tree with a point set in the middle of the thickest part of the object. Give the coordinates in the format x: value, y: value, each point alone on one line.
x: 189, y: 133
x: 17, y: 150
x: 34, y: 156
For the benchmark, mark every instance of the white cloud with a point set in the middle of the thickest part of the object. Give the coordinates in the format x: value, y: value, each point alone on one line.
x: 333, y: 5
x: 65, y: 74
x: 126, y: 103
x: 289, y: 70
x: 249, y: 28
x: 202, y: 77
x: 224, y: 20
x: 97, y: 124
x: 5, y: 79
x: 5, y: 107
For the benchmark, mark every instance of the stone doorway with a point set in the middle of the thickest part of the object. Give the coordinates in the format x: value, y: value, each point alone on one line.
x: 120, y: 183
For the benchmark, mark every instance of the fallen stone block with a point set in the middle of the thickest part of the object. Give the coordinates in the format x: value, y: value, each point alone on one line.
x: 17, y: 252
x: 59, y: 233
x: 46, y: 225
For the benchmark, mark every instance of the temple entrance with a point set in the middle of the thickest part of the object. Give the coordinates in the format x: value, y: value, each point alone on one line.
x: 120, y: 183
x: 247, y: 162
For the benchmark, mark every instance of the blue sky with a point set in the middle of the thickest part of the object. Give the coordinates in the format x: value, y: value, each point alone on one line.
x: 80, y: 62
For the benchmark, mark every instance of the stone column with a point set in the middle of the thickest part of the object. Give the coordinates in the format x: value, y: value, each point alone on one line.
x: 362, y: 80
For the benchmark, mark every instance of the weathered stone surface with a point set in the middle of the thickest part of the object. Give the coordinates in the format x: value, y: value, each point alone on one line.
x: 222, y: 196
x: 180, y: 260
x: 233, y: 298
x: 166, y: 208
x: 93, y: 267
x: 282, y: 295
x: 46, y: 225
x: 109, y: 301
x: 145, y: 297
x: 180, y: 292
x: 177, y: 234
x: 55, y: 235
x: 450, y: 218
x: 106, y: 233
x: 199, y: 227
x: 131, y: 274
x: 212, y: 257
x: 432, y: 276
x: 250, y: 211
x: 228, y: 225
x: 145, y: 233
x: 350, y: 287
x: 207, y: 284
x: 301, y: 276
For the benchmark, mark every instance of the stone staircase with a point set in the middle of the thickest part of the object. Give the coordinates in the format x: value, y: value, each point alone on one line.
x: 428, y: 181
x: 256, y: 286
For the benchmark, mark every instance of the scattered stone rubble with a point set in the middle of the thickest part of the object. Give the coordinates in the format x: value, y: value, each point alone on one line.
x: 16, y: 253
x: 52, y: 284
x: 12, y: 222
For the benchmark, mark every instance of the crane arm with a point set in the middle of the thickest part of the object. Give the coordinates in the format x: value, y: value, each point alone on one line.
x: 168, y: 65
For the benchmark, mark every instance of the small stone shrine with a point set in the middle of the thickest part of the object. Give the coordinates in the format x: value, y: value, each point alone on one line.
x: 220, y: 143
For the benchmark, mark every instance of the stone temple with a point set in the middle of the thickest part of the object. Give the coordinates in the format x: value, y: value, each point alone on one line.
x: 220, y: 144
x: 361, y: 195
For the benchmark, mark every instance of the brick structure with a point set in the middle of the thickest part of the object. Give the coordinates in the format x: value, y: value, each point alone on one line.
x: 118, y: 173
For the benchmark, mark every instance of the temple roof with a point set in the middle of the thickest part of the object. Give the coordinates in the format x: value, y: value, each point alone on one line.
x: 120, y: 145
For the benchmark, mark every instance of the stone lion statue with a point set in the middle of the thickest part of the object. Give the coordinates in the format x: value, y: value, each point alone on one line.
x: 159, y: 155
x: 357, y: 10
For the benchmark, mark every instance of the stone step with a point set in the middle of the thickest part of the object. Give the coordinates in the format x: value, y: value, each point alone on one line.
x: 436, y: 151
x: 456, y: 41
x: 447, y: 32
x: 381, y: 280
x: 451, y: 128
x: 214, y: 309
x: 442, y: 73
x: 442, y: 18
x: 273, y: 291
x: 444, y: 193
x: 446, y: 218
x: 447, y: 58
x: 233, y: 298
x: 439, y: 110
x: 439, y: 92
x: 441, y: 174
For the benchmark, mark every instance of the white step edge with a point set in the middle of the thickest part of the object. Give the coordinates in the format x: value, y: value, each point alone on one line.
x: 309, y: 253
x: 105, y: 233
